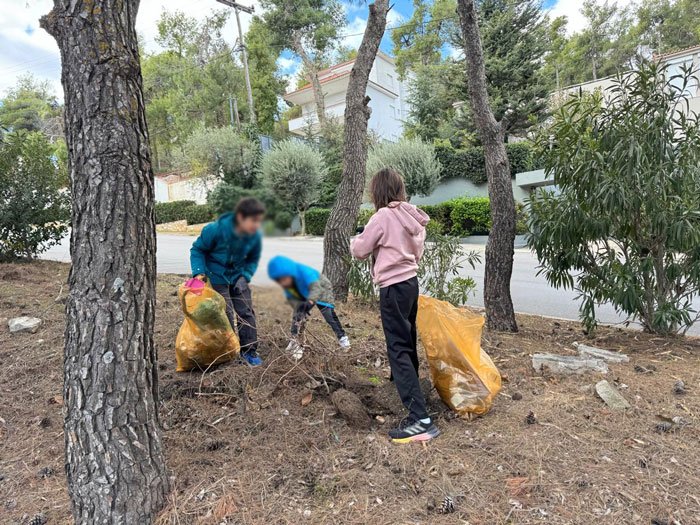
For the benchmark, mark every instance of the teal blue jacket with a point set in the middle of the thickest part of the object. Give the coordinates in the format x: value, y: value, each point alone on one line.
x: 223, y: 255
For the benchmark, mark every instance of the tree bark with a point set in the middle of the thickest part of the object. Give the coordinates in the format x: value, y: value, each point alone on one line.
x: 343, y: 218
x: 312, y: 72
x: 114, y: 461
x: 499, y: 249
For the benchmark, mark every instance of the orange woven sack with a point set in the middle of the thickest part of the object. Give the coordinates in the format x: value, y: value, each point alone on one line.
x: 206, y: 336
x: 463, y: 374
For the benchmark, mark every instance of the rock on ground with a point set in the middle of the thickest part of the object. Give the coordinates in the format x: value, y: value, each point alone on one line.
x: 351, y: 408
x: 568, y: 364
x: 599, y: 353
x: 24, y: 324
x: 611, y: 396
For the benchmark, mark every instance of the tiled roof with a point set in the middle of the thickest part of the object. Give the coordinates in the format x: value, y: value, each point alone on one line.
x: 323, y: 81
x: 682, y: 51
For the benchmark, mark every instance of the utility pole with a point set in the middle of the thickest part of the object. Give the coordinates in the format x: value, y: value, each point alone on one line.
x: 233, y: 110
x: 244, y: 52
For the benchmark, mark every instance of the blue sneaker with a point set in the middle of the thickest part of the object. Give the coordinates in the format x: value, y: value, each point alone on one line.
x: 251, y: 358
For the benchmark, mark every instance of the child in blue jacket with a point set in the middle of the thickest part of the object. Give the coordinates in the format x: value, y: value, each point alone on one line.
x: 227, y: 253
x: 305, y: 288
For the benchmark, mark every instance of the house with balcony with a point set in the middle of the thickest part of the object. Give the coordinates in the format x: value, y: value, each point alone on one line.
x: 387, y: 92
x: 675, y: 62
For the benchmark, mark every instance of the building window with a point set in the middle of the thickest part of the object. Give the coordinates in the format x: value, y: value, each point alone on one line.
x: 390, y: 80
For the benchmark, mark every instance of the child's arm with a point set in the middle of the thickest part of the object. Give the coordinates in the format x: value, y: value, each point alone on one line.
x: 364, y: 244
x: 203, y: 245
x: 252, y: 259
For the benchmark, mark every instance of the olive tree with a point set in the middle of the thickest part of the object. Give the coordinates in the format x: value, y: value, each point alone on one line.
x: 293, y: 171
x: 413, y: 158
x: 221, y: 153
x: 625, y: 227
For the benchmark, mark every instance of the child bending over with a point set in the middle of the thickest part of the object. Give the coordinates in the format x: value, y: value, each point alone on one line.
x: 305, y: 288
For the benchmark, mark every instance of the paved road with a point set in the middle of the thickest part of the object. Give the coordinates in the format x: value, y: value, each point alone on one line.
x: 531, y: 293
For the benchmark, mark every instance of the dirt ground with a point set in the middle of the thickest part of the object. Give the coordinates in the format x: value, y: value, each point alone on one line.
x: 254, y: 446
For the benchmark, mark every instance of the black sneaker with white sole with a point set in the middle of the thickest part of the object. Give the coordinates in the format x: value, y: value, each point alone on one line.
x: 415, y: 431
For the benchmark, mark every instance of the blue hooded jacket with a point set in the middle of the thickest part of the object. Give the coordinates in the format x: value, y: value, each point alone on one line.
x: 303, y: 276
x: 223, y: 255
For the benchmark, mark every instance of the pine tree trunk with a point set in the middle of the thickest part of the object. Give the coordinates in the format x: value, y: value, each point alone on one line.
x: 114, y: 461
x: 343, y: 218
x: 499, y: 249
x: 312, y: 72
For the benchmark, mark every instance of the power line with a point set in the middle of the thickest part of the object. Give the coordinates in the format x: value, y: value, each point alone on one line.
x: 275, y: 46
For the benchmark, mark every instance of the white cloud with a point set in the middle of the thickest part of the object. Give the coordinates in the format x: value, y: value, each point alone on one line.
x: 285, y: 64
x: 572, y: 10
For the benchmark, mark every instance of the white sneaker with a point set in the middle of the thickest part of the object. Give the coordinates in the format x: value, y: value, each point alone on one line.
x: 344, y: 342
x: 295, y: 349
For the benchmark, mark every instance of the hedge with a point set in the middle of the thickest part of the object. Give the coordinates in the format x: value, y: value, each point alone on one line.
x: 470, y: 216
x: 316, y: 219
x: 172, y: 211
x: 460, y: 217
x: 469, y: 163
x: 199, y: 213
x: 188, y: 211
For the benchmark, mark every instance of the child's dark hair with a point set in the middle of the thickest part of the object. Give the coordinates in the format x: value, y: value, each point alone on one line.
x: 386, y: 186
x: 250, y: 207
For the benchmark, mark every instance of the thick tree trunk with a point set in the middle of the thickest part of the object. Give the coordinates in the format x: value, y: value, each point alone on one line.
x: 499, y: 249
x: 343, y: 218
x: 312, y: 72
x: 114, y: 460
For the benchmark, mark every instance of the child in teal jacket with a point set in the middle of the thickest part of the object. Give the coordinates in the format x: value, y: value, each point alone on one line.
x: 227, y: 253
x: 305, y: 287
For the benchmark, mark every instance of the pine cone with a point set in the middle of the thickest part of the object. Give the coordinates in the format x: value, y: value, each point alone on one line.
x: 448, y: 505
x: 38, y: 519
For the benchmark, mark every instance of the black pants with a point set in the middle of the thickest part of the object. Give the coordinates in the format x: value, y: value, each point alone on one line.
x: 303, y: 310
x: 399, y: 306
x: 240, y: 313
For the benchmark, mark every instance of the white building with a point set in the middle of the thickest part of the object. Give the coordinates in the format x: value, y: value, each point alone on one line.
x: 387, y: 92
x: 674, y: 61
x: 171, y: 187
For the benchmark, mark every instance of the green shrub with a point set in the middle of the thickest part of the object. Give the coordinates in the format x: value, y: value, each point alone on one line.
x: 220, y: 152
x: 521, y: 217
x: 283, y: 220
x: 463, y: 163
x: 365, y: 216
x: 413, y: 159
x: 470, y: 216
x: 316, y: 219
x: 469, y: 163
x: 439, y: 216
x: 624, y: 228
x: 172, y: 211
x: 224, y: 197
x: 438, y: 271
x: 293, y: 171
x: 199, y: 213
x: 34, y: 210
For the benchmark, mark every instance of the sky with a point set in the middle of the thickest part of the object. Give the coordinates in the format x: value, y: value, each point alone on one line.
x: 26, y: 48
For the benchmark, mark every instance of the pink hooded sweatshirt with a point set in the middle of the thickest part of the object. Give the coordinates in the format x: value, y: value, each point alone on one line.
x: 395, y: 236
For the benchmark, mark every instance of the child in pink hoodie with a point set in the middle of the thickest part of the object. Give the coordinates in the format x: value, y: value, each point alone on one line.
x: 395, y: 238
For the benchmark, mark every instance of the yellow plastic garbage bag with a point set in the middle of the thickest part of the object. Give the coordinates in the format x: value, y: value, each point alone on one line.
x: 462, y: 373
x: 205, y: 336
